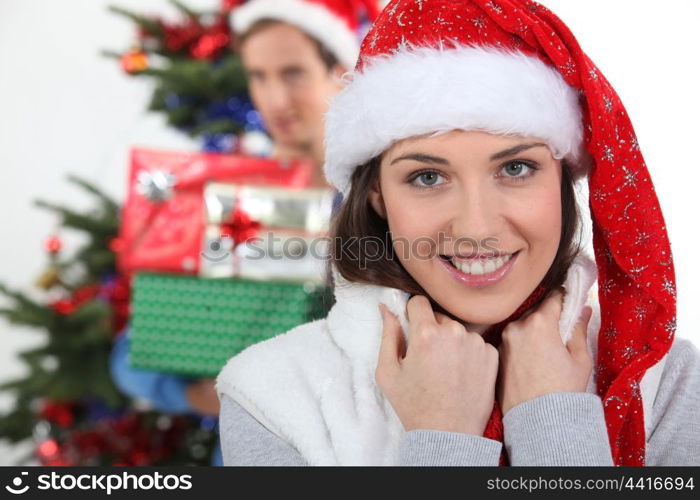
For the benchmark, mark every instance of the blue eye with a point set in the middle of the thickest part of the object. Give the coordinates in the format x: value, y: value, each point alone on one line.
x: 429, y: 179
x: 519, y: 170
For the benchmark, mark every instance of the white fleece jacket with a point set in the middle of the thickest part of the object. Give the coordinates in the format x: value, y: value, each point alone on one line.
x: 314, y: 386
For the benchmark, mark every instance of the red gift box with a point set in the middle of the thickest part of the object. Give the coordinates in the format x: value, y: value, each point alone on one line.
x: 163, y: 219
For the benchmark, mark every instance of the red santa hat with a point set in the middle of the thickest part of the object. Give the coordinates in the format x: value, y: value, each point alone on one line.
x: 513, y: 67
x: 334, y: 23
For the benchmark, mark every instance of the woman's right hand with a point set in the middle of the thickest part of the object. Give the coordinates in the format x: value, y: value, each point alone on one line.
x: 444, y: 379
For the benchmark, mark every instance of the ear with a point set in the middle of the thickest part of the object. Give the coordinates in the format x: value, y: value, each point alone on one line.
x: 336, y: 75
x: 338, y: 71
x: 376, y: 199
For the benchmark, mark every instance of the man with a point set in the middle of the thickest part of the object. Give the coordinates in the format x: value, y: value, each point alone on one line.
x: 294, y: 53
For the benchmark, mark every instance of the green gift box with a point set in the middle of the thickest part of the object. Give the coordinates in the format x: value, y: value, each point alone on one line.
x: 191, y: 325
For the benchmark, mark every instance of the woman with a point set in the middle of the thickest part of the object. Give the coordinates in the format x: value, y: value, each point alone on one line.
x: 465, y: 331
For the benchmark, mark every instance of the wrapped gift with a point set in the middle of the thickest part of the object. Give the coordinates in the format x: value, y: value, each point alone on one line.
x: 262, y: 270
x: 266, y: 232
x: 192, y: 326
x: 163, y: 219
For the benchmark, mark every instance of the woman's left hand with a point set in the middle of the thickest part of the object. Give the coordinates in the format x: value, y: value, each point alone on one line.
x: 533, y: 359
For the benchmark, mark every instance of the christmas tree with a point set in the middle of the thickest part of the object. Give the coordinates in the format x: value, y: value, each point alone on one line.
x: 199, y: 83
x: 68, y: 401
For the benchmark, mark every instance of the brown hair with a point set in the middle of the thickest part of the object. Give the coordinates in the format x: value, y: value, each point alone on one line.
x: 327, y: 57
x: 357, y: 219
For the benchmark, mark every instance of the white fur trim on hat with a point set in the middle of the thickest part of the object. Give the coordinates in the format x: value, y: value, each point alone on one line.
x: 313, y: 19
x: 424, y: 90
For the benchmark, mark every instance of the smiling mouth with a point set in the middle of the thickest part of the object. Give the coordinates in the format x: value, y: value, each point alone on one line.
x: 478, y: 267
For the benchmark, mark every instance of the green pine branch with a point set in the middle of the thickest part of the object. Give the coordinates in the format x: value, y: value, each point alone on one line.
x: 185, y: 9
x: 149, y: 25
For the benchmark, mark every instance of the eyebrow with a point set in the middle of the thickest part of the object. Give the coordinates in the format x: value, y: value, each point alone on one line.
x: 517, y: 149
x: 425, y: 158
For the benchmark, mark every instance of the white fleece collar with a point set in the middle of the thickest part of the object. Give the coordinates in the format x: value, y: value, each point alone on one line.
x: 355, y: 323
x: 356, y: 309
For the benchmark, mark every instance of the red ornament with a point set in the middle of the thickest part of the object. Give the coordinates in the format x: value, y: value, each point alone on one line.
x: 116, y: 245
x: 60, y: 414
x: 240, y: 227
x: 53, y: 244
x: 85, y: 294
x: 209, y: 46
x: 47, y: 450
x: 80, y: 296
x: 180, y: 38
x: 134, y: 62
x: 64, y: 306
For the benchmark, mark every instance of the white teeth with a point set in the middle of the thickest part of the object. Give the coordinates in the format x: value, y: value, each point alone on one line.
x: 479, y: 267
x: 490, y: 266
x: 476, y: 268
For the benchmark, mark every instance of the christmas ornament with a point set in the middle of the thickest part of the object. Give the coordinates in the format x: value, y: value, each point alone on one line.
x: 48, y: 279
x: 134, y: 61
x: 213, y: 42
x: 53, y: 244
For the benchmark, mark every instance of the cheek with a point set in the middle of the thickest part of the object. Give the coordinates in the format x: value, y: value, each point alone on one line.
x: 541, y: 221
x: 414, y: 231
x: 312, y: 96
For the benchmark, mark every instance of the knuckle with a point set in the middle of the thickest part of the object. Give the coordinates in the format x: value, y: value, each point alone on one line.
x: 381, y: 376
x: 456, y: 328
x: 474, y: 338
x: 418, y: 300
x: 508, y: 334
x: 426, y: 330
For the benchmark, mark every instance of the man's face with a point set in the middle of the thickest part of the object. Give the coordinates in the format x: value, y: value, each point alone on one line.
x: 290, y: 85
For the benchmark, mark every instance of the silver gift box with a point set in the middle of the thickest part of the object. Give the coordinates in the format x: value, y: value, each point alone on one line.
x: 291, y: 245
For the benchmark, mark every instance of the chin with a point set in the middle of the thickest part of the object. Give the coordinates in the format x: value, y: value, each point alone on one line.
x: 479, y: 310
x: 480, y: 316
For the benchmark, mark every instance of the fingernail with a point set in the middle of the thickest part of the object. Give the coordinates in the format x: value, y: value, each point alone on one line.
x: 382, y: 310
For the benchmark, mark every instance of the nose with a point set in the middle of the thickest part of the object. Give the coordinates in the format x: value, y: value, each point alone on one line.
x: 475, y: 219
x: 277, y: 97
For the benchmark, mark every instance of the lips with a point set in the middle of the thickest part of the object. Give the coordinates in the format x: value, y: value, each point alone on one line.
x: 480, y: 265
x: 479, y: 273
x: 284, y: 122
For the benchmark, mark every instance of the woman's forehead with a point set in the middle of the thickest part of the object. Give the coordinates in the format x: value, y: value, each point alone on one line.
x: 460, y: 141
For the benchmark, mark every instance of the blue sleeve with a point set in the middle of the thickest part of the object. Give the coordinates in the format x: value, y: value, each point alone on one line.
x: 164, y: 390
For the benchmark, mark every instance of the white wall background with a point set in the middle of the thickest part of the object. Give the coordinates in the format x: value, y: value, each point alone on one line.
x: 64, y: 108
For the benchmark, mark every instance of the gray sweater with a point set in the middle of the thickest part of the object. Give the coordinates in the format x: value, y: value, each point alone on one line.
x: 564, y: 429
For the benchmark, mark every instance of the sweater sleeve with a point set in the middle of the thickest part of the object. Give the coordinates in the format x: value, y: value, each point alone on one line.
x: 246, y: 442
x: 569, y: 428
x: 425, y: 447
x: 558, y: 429
x: 674, y: 439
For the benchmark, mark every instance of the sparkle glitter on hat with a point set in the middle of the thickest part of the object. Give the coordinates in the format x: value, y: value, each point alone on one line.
x: 430, y: 66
